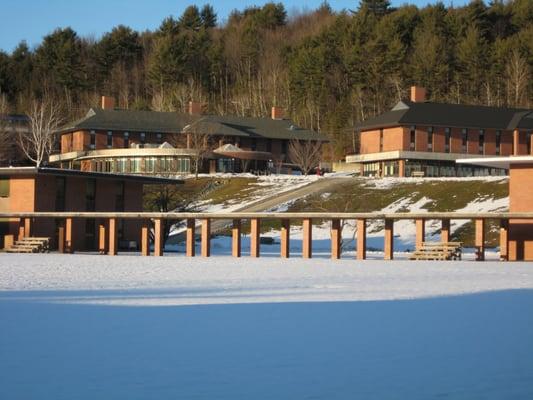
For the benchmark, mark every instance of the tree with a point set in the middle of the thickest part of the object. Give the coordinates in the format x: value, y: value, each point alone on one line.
x: 305, y: 154
x: 376, y: 7
x: 517, y: 74
x: 45, y: 119
x: 208, y: 16
x: 199, y: 137
x: 6, y: 134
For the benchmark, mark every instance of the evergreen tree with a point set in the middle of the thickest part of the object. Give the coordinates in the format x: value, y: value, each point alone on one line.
x: 191, y: 19
x: 208, y: 16
x: 376, y: 7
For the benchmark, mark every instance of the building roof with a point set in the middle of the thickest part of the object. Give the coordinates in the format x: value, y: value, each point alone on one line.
x: 498, y: 162
x: 172, y: 122
x: 9, y: 171
x: 451, y: 115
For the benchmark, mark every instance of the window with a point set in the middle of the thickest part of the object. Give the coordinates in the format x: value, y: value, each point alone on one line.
x: 4, y: 187
x: 498, y: 141
x: 528, y: 141
x: 90, y: 195
x: 464, y: 136
x: 430, y: 138
x: 92, y: 144
x: 381, y: 140
x: 119, y: 197
x: 269, y: 146
x: 481, y: 141
x: 284, y: 145
x: 447, y: 134
x: 126, y: 140
x: 253, y: 146
x: 143, y: 138
x: 412, y: 138
x: 60, y: 193
x: 159, y: 138
x: 109, y: 139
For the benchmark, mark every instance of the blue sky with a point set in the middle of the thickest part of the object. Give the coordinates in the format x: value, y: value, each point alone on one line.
x: 30, y: 20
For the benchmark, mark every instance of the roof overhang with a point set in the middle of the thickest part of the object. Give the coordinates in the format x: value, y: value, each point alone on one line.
x: 498, y: 162
x: 30, y: 171
x: 406, y: 155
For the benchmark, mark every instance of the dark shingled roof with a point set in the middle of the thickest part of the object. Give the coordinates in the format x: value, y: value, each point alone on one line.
x: 451, y: 115
x: 172, y: 122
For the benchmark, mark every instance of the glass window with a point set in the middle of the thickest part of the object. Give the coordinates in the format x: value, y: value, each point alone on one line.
x: 61, y: 183
x: 381, y: 140
x: 430, y: 138
x: 126, y: 140
x: 528, y: 141
x: 464, y: 136
x: 119, y: 197
x: 412, y: 138
x: 4, y: 187
x: 90, y: 195
x: 447, y: 135
x: 498, y: 141
x: 481, y: 141
x: 159, y: 138
x: 92, y: 144
x: 143, y: 138
x: 109, y: 139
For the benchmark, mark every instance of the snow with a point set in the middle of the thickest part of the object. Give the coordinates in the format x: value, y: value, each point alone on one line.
x: 130, y: 327
x: 387, y: 183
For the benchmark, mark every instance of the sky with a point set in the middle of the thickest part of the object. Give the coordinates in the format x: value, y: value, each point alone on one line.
x: 30, y: 20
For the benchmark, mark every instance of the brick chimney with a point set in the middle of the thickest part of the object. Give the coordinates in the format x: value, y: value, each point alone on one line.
x: 195, y: 108
x: 418, y: 94
x: 108, y: 103
x: 277, y: 112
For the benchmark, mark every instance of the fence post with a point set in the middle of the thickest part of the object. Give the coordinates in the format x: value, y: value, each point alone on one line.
x: 420, y: 232
x: 361, y: 239
x: 101, y: 237
x: 445, y: 230
x: 255, y: 237
x: 21, y: 232
x: 113, y: 239
x: 504, y: 240
x: 68, y: 236
x: 206, y: 237
x: 158, y: 237
x: 145, y: 237
x: 27, y: 227
x: 190, y: 243
x: 236, y: 238
x: 480, y: 239
x: 335, y: 239
x: 307, y: 240
x: 285, y: 237
x: 61, y: 238
x: 388, y: 248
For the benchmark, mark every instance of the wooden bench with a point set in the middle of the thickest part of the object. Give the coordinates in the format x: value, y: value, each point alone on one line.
x: 438, y: 251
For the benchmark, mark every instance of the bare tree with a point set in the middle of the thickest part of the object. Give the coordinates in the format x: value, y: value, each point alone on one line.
x: 45, y: 118
x: 6, y: 134
x: 305, y: 154
x: 199, y: 138
x: 517, y: 75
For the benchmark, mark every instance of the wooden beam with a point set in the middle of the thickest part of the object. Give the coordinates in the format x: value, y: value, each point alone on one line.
x: 69, y: 248
x: 101, y: 237
x: 504, y: 240
x: 236, y: 238
x: 361, y: 239
x: 445, y: 230
x: 113, y: 237
x: 255, y: 237
x: 285, y: 237
x: 158, y: 237
x: 190, y: 243
x: 61, y: 238
x: 307, y: 240
x: 145, y: 237
x: 27, y: 227
x: 336, y: 239
x: 206, y: 237
x: 516, y: 142
x: 388, y: 248
x: 480, y: 239
x: 420, y: 232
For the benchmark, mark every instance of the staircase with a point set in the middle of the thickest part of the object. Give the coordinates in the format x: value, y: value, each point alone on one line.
x: 30, y: 245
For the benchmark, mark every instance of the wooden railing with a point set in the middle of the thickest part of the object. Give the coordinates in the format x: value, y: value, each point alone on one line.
x: 107, y: 232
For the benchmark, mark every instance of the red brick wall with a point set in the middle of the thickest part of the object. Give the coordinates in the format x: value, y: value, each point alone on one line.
x: 66, y: 142
x: 369, y: 142
x: 393, y: 139
x: 456, y: 141
x: 421, y: 139
x: 520, y: 195
x: 439, y: 140
x: 506, y: 148
x: 472, y: 143
x: 80, y: 140
x: 490, y: 142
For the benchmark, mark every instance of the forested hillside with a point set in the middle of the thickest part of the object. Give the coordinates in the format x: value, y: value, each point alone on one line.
x: 328, y: 69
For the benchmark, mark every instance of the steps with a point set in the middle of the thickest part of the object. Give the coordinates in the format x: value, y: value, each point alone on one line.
x: 30, y: 245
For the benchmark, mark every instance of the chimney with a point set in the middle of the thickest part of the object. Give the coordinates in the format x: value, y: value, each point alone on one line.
x: 195, y: 108
x: 277, y: 112
x: 418, y: 94
x: 108, y: 103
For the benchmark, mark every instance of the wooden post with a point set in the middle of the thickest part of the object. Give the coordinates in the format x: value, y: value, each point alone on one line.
x: 61, y: 239
x: 113, y: 239
x: 27, y: 227
x: 307, y: 240
x: 504, y: 240
x: 190, y: 243
x: 516, y: 142
x: 389, y: 240
x: 285, y: 237
x: 480, y: 239
x: 101, y: 237
x: 206, y: 237
x: 21, y: 232
x: 158, y: 237
x: 445, y: 230
x: 236, y: 238
x: 361, y: 239
x: 420, y: 232
x: 335, y: 239
x: 9, y: 240
x: 68, y: 236
x: 255, y: 237
x: 145, y: 237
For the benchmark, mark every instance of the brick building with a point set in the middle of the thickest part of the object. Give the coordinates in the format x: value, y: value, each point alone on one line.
x: 420, y: 138
x: 149, y: 142
x: 30, y: 189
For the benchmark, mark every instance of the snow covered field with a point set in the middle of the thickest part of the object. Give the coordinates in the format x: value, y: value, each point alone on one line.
x: 127, y: 327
